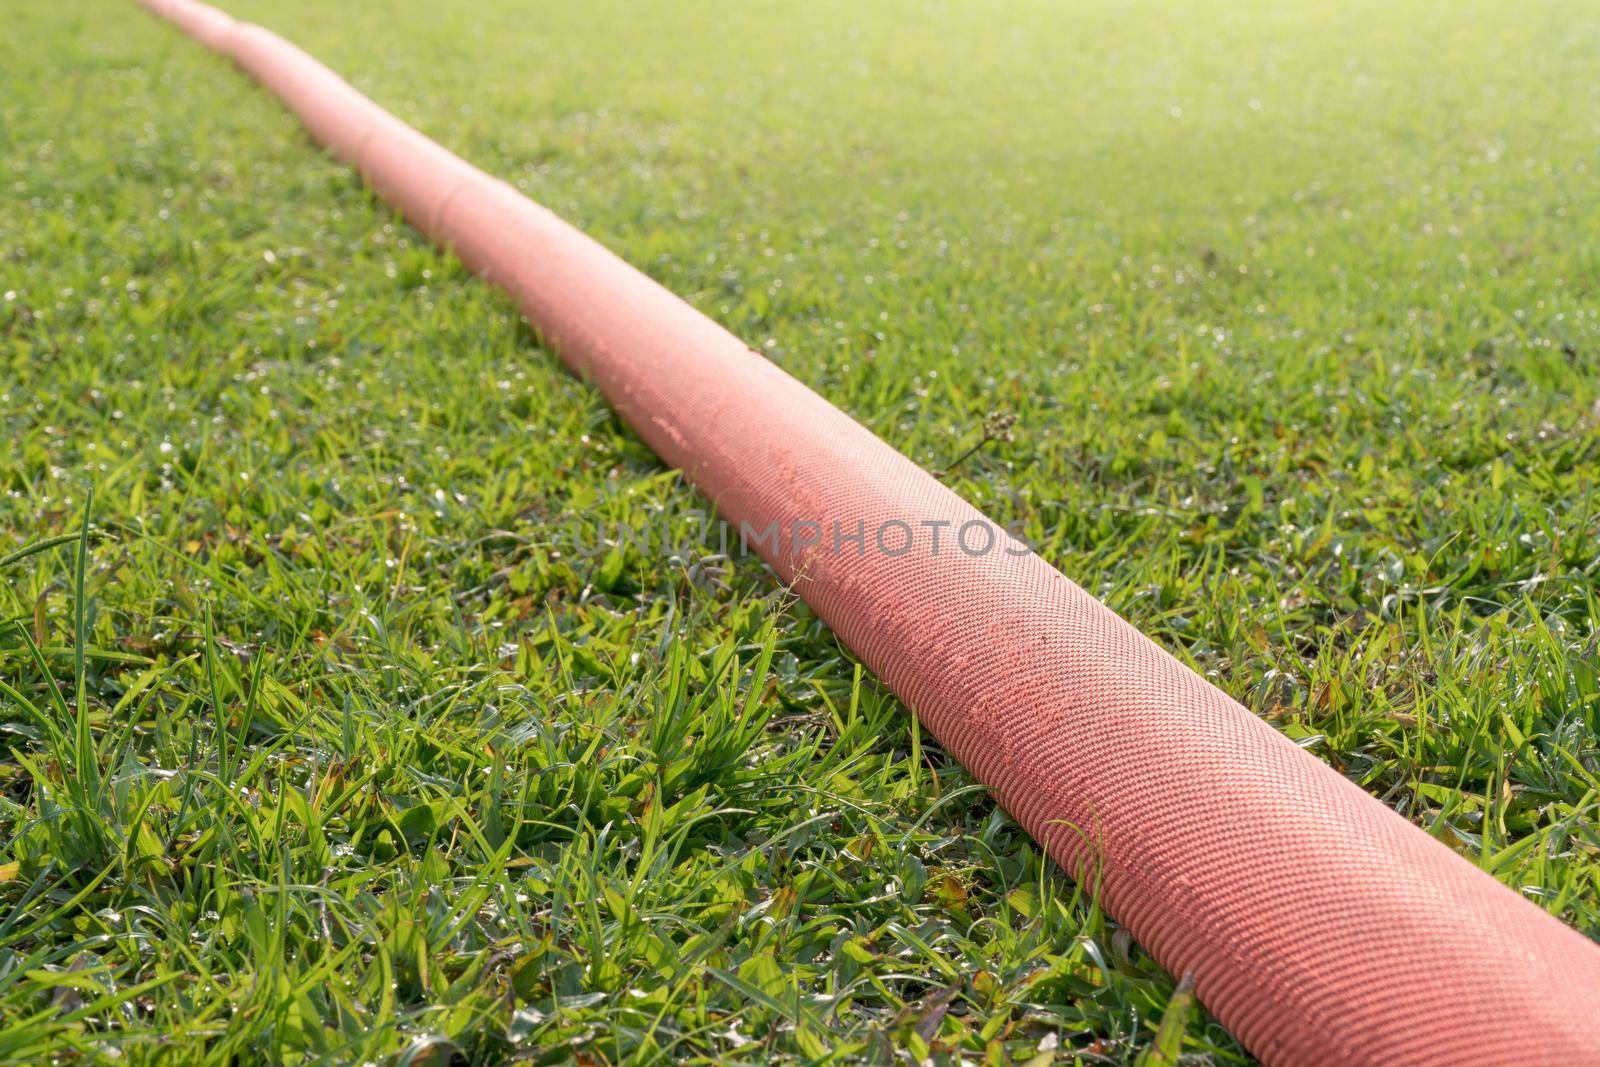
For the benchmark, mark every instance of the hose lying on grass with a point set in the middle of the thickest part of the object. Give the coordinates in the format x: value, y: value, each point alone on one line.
x: 1318, y: 924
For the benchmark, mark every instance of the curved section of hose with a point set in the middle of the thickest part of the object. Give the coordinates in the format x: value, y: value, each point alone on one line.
x: 1319, y: 925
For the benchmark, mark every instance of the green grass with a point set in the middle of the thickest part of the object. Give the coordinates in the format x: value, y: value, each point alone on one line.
x: 322, y: 742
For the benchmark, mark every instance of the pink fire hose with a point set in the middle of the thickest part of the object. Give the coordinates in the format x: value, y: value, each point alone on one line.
x: 1319, y: 925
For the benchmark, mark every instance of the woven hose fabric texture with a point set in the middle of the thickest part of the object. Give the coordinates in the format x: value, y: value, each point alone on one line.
x: 1318, y: 924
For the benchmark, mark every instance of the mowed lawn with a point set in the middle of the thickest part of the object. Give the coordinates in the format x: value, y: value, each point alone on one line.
x: 328, y: 734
